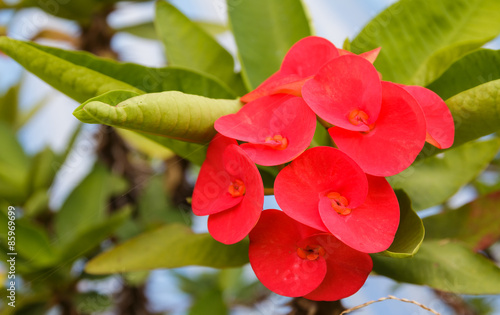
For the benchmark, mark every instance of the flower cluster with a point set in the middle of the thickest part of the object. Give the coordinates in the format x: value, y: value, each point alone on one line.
x: 337, y: 207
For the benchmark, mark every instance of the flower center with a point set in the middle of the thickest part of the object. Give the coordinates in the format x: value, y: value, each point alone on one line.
x: 277, y: 142
x: 311, y: 252
x: 358, y: 117
x: 339, y: 203
x: 237, y: 188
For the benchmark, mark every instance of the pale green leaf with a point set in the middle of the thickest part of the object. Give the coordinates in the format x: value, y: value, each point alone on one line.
x: 444, y: 266
x: 474, y: 224
x: 432, y: 181
x: 415, y: 35
x: 172, y: 114
x: 472, y: 70
x: 264, y: 31
x: 170, y: 246
x: 190, y: 151
x: 410, y: 232
x: 188, y: 45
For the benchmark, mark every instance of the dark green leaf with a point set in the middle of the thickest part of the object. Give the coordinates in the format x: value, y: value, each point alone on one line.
x: 212, y: 300
x: 432, y: 181
x: 475, y: 224
x: 474, y: 69
x: 178, y: 247
x: 410, y: 232
x: 264, y: 31
x: 8, y: 106
x: 188, y: 45
x: 417, y: 35
x: 444, y: 266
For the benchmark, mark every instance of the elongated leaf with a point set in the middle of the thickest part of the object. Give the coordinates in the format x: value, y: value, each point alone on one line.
x: 42, y: 170
x: 188, y: 45
x: 264, y: 31
x: 85, y: 206
x: 410, y: 232
x: 444, y: 266
x: 475, y: 224
x: 90, y: 237
x: 144, y: 145
x: 145, y: 78
x: 172, y: 114
x: 190, y: 151
x: 472, y: 70
x: 415, y: 34
x: 104, y: 75
x: 73, y: 80
x: 170, y: 246
x: 432, y: 181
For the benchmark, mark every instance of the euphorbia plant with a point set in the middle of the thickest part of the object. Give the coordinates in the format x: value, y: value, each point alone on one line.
x: 330, y: 132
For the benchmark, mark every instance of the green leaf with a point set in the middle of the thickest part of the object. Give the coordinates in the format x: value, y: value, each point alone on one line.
x: 212, y: 300
x: 85, y: 206
x: 476, y: 112
x: 474, y: 224
x: 145, y: 30
x: 14, y: 167
x: 81, y: 75
x: 190, y: 151
x: 264, y: 31
x: 415, y: 35
x: 444, y: 266
x: 42, y: 170
x: 8, y: 106
x: 188, y: 45
x: 172, y: 114
x: 91, y: 236
x: 178, y: 247
x: 37, y: 203
x: 78, y: 82
x: 432, y: 181
x: 410, y: 232
x: 31, y: 241
x: 472, y: 70
x: 144, y: 78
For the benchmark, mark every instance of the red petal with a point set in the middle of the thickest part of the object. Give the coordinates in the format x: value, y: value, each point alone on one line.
x: 347, y: 270
x: 370, y: 227
x: 268, y: 116
x: 440, y: 126
x: 371, y: 55
x: 394, y: 142
x: 302, y: 61
x: 211, y: 193
x: 318, y: 171
x: 307, y: 56
x: 232, y: 225
x: 345, y: 84
x: 274, y: 259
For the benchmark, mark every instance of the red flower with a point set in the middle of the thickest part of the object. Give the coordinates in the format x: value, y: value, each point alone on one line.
x: 277, y: 128
x: 229, y: 189
x: 440, y: 126
x: 326, y: 190
x: 301, y: 62
x: 378, y: 124
x: 292, y: 259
